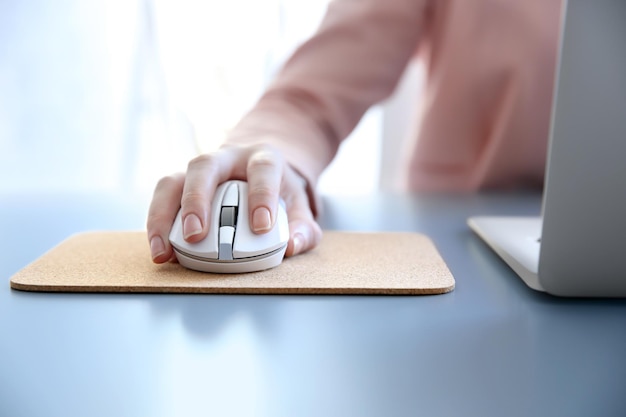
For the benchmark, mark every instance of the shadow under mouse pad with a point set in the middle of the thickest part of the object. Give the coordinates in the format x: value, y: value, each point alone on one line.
x: 343, y: 263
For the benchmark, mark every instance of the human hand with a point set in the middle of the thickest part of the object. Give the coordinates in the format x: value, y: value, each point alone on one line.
x: 269, y: 177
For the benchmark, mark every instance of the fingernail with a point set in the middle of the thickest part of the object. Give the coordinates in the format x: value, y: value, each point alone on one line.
x: 157, y: 248
x: 261, y: 220
x: 191, y: 226
x: 298, y: 243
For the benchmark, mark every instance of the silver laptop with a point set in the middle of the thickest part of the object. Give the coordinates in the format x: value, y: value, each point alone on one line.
x: 577, y: 247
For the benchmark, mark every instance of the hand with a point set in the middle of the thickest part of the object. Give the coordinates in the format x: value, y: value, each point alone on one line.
x: 269, y: 177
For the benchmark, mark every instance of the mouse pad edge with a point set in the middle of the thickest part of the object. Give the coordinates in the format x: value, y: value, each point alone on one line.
x: 119, y: 261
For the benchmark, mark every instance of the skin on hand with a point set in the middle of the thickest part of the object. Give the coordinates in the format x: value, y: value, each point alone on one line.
x: 269, y: 177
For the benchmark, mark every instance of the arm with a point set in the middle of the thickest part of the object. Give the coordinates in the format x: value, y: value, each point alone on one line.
x: 353, y: 61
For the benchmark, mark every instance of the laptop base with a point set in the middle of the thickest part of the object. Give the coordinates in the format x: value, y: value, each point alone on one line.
x: 516, y: 240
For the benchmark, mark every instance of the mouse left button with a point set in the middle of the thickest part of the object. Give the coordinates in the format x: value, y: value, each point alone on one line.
x: 206, y: 248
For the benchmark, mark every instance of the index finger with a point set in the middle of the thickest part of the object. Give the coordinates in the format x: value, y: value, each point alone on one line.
x: 204, y: 174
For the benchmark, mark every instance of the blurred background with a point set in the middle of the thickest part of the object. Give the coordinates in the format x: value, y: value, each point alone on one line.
x: 109, y: 96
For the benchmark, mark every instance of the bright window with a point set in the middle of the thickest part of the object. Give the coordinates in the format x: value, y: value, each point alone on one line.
x: 112, y: 95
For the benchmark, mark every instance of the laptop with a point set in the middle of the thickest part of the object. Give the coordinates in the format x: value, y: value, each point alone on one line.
x: 577, y: 248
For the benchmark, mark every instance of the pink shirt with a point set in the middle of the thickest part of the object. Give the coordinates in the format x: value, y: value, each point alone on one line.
x: 486, y: 106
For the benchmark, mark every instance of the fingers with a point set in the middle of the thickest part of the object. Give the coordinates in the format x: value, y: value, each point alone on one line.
x: 163, y: 208
x: 264, y: 172
x: 268, y: 177
x: 304, y: 235
x: 192, y: 194
x: 197, y: 193
x: 304, y: 232
x: 204, y: 174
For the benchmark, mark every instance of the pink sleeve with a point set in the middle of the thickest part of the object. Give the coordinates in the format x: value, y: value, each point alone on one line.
x: 353, y: 61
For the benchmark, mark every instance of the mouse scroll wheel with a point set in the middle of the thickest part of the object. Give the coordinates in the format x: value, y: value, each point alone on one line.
x: 228, y: 215
x: 228, y: 222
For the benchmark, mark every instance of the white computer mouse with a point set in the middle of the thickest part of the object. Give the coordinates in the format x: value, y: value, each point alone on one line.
x: 230, y: 246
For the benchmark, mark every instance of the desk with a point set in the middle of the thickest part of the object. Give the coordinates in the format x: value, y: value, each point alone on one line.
x: 492, y: 347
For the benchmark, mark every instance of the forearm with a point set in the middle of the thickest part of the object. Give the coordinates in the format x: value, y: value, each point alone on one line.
x: 353, y: 61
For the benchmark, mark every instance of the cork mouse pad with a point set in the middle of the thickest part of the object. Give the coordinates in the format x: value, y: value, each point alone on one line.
x: 343, y: 263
